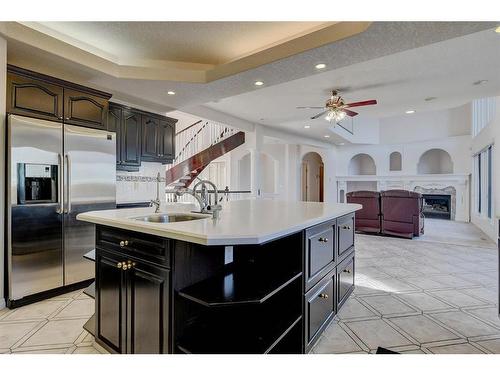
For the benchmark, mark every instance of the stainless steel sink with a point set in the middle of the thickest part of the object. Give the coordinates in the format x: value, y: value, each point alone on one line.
x: 169, y: 218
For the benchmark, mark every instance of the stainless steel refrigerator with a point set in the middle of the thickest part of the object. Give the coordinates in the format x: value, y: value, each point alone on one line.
x: 55, y: 171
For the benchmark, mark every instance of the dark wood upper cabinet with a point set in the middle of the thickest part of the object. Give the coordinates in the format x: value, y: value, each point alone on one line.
x: 167, y: 141
x: 150, y: 137
x: 114, y: 125
x: 85, y: 109
x: 130, y: 134
x: 38, y: 95
x: 35, y: 98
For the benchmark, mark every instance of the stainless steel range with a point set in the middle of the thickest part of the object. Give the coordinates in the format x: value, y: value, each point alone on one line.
x: 55, y: 171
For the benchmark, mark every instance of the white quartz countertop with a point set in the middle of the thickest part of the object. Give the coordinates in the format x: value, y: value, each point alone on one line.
x: 240, y: 222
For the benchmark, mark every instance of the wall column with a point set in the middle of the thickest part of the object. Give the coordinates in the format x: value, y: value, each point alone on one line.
x: 3, y: 92
x: 256, y: 163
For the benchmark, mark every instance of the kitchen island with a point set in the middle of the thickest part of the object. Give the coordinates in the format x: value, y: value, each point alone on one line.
x: 264, y: 277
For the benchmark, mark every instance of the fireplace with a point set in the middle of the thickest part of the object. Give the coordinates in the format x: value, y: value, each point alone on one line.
x: 437, y: 206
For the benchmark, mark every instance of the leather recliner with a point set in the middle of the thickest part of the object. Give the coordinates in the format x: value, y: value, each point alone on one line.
x: 401, y: 213
x: 368, y: 218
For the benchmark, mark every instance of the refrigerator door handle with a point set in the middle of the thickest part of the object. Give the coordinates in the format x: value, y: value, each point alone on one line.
x: 68, y: 184
x: 60, y: 209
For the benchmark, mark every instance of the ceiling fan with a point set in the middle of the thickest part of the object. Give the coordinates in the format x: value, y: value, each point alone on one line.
x: 336, y: 109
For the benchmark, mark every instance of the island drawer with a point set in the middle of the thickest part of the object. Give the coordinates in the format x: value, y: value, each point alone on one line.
x: 320, y: 252
x: 143, y: 246
x: 345, y: 279
x: 345, y: 225
x: 319, y: 307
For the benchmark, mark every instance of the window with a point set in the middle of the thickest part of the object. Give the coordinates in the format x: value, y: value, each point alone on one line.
x: 483, y: 181
x: 483, y: 111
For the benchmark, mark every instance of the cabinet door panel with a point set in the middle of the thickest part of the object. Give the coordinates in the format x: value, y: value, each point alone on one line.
x: 110, y: 301
x: 150, y: 131
x: 320, y: 307
x: 148, y: 324
x: 31, y: 97
x: 84, y: 109
x: 131, y: 138
x: 345, y: 280
x: 167, y: 142
x: 114, y: 125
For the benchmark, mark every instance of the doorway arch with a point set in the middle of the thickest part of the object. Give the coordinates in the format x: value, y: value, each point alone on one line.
x: 312, y: 178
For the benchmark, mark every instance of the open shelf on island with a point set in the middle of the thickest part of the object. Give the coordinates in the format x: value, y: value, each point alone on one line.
x: 244, y: 285
x: 248, y: 338
x: 90, y: 255
x: 90, y: 290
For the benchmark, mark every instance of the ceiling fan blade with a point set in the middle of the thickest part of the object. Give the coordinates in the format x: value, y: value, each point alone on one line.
x: 319, y: 115
x: 350, y: 113
x: 359, y: 104
x: 310, y: 107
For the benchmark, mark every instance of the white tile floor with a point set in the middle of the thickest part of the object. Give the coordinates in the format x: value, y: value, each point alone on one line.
x: 54, y: 326
x: 437, y: 294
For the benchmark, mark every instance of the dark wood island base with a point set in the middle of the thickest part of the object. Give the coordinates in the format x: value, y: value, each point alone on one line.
x: 159, y: 295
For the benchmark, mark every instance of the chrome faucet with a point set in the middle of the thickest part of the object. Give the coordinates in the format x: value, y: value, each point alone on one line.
x: 203, y: 198
x: 156, y: 202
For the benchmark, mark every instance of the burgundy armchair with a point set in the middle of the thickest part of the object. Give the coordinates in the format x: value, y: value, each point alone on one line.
x: 402, y: 213
x: 368, y: 218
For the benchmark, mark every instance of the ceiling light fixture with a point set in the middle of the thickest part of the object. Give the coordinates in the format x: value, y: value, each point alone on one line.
x: 307, y: 126
x: 320, y: 66
x: 326, y: 136
x: 258, y: 83
x: 480, y: 82
x: 341, y: 143
x: 335, y: 115
x: 171, y: 92
x: 410, y: 111
x: 497, y: 30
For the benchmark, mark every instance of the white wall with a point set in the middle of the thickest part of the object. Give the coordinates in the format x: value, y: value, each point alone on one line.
x: 489, y: 135
x: 3, y: 91
x: 426, y: 125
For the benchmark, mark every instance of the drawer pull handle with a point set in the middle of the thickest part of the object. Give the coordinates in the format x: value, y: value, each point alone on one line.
x: 323, y: 295
x: 123, y: 243
x: 347, y: 271
x: 347, y: 227
x: 323, y: 239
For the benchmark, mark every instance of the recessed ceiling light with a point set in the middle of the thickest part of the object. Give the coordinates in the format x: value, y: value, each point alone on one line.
x: 307, y: 126
x: 410, y: 111
x: 258, y: 83
x: 497, y: 30
x: 171, y: 92
x: 320, y: 66
x: 480, y: 82
x: 326, y: 136
x: 341, y: 144
x: 430, y: 98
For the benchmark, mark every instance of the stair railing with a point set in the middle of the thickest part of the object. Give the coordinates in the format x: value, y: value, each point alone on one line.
x: 197, y: 137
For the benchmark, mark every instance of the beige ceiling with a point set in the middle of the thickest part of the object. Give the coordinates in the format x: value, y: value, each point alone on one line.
x: 197, y: 42
x: 197, y: 52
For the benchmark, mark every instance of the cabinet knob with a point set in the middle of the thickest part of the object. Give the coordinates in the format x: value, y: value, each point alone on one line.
x: 123, y: 243
x: 129, y: 265
x: 348, y: 227
x: 119, y: 265
x: 347, y: 271
x: 323, y: 295
x: 323, y: 239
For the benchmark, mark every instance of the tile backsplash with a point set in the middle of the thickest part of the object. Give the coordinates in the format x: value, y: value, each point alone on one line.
x: 132, y: 187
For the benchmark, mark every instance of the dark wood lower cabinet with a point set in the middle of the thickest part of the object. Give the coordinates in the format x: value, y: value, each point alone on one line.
x: 148, y: 309
x: 132, y: 304
x: 110, y: 298
x: 156, y: 295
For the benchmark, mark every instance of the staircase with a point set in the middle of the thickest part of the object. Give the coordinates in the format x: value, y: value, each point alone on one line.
x: 214, y: 140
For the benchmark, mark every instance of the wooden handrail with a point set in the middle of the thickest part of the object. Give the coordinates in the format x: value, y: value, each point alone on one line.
x: 189, y: 127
